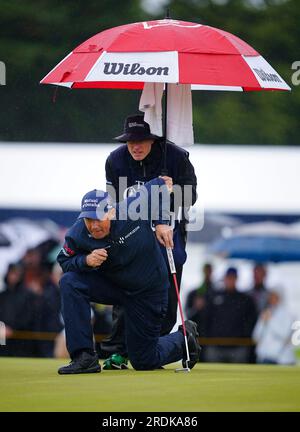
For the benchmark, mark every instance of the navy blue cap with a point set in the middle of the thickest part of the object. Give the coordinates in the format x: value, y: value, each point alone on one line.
x: 95, y: 204
x: 231, y: 271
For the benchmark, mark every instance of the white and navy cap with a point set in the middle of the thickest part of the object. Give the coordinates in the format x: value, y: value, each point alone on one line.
x: 95, y: 204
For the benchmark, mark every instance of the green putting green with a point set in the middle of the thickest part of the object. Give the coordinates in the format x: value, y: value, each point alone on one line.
x: 34, y: 385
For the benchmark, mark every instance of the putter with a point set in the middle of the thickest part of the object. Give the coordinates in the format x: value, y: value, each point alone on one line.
x: 173, y: 271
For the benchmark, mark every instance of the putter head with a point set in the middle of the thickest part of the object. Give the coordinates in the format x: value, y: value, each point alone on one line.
x: 185, y: 369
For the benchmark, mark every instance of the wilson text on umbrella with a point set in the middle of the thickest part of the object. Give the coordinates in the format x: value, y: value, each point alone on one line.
x: 133, y: 69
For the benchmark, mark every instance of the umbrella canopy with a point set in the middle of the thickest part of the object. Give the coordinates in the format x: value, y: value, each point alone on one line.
x: 263, y: 242
x: 214, y: 226
x: 4, y: 241
x: 268, y: 228
x: 23, y: 234
x: 167, y: 51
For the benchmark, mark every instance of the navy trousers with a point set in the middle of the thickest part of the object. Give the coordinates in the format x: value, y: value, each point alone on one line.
x: 143, y: 316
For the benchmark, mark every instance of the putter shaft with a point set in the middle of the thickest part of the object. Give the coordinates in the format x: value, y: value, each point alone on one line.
x: 173, y: 271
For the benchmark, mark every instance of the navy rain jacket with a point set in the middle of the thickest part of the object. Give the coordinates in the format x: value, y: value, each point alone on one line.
x: 121, y: 164
x: 135, y: 262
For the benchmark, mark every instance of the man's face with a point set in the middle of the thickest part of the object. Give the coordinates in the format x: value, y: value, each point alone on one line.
x: 98, y: 228
x: 207, y: 272
x: 273, y: 299
x: 259, y: 275
x: 139, y: 149
x: 14, y: 276
x: 230, y: 282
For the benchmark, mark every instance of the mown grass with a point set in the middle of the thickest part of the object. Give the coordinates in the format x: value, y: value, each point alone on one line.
x: 34, y: 385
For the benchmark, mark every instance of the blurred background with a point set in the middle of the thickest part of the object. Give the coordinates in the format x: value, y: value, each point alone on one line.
x: 36, y: 36
x: 246, y: 157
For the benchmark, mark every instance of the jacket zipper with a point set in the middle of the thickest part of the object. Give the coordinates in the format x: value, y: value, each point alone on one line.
x: 144, y: 168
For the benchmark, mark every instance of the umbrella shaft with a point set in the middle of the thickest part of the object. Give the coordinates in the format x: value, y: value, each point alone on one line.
x: 165, y: 111
x: 164, y: 169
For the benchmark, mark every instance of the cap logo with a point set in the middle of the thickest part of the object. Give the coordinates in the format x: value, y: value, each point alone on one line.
x: 135, y: 124
x: 89, y: 202
x: 169, y: 22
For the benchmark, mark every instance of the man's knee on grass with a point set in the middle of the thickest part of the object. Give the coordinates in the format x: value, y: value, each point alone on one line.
x: 142, y: 365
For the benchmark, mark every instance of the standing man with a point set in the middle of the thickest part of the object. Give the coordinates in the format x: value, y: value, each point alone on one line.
x: 230, y: 314
x: 127, y: 168
x: 259, y: 292
x: 112, y: 257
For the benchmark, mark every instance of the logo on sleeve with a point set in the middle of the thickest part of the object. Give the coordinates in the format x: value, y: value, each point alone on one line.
x: 67, y: 251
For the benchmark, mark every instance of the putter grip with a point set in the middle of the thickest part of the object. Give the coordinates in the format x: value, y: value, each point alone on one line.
x: 171, y: 260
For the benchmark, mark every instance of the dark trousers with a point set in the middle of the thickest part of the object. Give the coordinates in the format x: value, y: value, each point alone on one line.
x: 142, y: 313
x: 116, y: 342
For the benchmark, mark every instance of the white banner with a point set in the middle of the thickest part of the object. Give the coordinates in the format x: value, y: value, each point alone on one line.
x: 136, y: 66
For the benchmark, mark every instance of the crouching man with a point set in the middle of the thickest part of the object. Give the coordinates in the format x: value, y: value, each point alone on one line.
x: 111, y: 256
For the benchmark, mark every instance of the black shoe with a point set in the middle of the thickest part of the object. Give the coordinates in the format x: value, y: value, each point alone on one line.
x: 193, y: 345
x: 83, y: 363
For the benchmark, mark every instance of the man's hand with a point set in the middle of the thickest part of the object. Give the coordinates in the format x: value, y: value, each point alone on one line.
x: 169, y: 182
x: 266, y: 314
x: 8, y: 331
x: 164, y: 235
x: 96, y: 258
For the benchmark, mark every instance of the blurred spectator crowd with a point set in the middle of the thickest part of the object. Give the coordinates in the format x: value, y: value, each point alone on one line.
x: 241, y: 327
x: 234, y: 326
x: 30, y: 306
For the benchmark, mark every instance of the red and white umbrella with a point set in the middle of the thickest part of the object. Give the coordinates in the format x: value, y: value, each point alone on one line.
x: 167, y: 51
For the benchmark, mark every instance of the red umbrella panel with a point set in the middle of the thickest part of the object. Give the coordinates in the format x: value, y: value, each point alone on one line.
x: 167, y: 51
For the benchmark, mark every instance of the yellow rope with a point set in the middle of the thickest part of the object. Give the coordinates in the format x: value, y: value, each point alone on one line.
x: 50, y: 336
